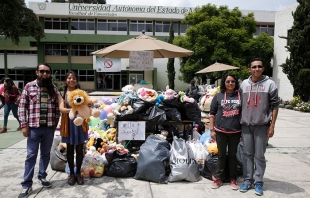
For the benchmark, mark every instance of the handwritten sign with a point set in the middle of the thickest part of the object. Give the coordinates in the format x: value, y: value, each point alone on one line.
x: 131, y: 131
x: 141, y: 60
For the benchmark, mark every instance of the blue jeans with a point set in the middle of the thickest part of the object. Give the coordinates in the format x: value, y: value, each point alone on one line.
x: 7, y: 109
x: 38, y: 137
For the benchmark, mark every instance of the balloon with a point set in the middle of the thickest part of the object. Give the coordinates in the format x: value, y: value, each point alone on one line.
x: 94, y: 121
x: 108, y: 109
x: 103, y: 114
x: 114, y: 105
x: 107, y: 100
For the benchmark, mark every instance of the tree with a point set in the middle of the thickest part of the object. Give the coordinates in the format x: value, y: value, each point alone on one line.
x: 297, y: 66
x: 18, y: 21
x: 170, y: 64
x: 219, y: 35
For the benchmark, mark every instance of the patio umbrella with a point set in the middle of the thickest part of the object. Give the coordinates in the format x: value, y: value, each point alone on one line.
x: 216, y: 67
x: 143, y: 42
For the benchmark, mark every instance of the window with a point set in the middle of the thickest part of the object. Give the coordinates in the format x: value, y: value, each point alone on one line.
x: 82, y: 50
x: 162, y: 26
x: 60, y: 75
x: 82, y: 24
x: 289, y: 32
x: 269, y: 29
x: 139, y: 26
x: 112, y: 25
x: 183, y: 28
x: 56, y: 23
x: 20, y: 52
x: 101, y: 46
x: 86, y: 75
x: 55, y: 50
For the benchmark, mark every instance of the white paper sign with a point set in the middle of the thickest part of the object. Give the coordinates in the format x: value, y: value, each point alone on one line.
x: 106, y: 64
x: 141, y: 60
x: 131, y: 130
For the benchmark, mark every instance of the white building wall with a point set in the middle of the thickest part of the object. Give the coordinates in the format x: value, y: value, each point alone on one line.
x: 283, y: 22
x: 22, y: 61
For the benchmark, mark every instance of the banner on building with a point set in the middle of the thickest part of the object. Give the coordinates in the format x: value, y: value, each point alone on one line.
x: 106, y: 64
x: 141, y: 60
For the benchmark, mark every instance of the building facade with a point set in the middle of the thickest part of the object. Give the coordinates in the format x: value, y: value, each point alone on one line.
x: 73, y: 31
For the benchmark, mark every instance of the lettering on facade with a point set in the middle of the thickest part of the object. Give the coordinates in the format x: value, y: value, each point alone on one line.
x: 109, y: 10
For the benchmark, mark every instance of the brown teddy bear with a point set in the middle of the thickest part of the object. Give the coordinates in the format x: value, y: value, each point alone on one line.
x: 81, y: 107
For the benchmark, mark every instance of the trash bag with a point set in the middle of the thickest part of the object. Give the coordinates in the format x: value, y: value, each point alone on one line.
x: 121, y: 165
x: 178, y: 160
x: 139, y: 105
x: 209, y: 167
x: 172, y: 113
x: 58, y: 160
x: 153, y: 161
x: 155, y: 114
x: 174, y: 102
x: 182, y: 162
x: 127, y: 117
x: 191, y: 111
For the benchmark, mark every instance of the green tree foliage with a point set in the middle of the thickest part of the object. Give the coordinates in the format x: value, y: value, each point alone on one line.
x: 80, y: 1
x: 222, y: 35
x: 19, y: 21
x: 170, y: 64
x: 297, y: 66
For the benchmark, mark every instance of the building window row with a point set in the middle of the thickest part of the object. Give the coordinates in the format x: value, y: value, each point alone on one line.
x: 112, y: 25
x: 56, y: 50
x: 76, y: 50
x: 19, y: 52
x: 269, y: 29
x: 82, y: 50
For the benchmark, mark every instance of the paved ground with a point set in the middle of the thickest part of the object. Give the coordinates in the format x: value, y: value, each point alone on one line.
x: 287, y: 173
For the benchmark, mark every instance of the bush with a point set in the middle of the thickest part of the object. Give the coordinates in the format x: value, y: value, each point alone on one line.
x: 303, y: 106
x: 288, y: 106
x: 281, y: 105
x: 295, y: 101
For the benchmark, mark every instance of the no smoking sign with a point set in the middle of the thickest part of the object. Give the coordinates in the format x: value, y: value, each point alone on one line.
x: 108, y: 63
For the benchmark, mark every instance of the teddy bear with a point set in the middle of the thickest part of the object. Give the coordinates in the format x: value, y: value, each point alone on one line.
x: 123, y: 105
x: 128, y: 89
x: 159, y: 98
x: 146, y: 94
x: 110, y: 120
x: 81, y: 107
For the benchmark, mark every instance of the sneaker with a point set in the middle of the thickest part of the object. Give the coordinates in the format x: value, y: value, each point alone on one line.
x: 234, y: 184
x: 25, y: 192
x: 216, y: 184
x: 45, y: 183
x: 259, y: 189
x: 245, y: 187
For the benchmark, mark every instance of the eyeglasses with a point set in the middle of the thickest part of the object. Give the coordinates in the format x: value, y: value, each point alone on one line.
x: 257, y: 66
x: 230, y: 81
x: 45, y: 71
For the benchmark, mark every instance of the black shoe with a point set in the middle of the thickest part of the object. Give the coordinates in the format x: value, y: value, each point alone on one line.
x: 45, y: 183
x: 25, y: 192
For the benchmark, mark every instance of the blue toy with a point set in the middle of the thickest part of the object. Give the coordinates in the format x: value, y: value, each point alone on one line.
x: 159, y: 98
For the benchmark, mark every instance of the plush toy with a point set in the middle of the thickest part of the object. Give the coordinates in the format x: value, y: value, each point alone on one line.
x: 110, y: 120
x: 128, y: 89
x: 206, y: 100
x: 159, y: 98
x: 123, y: 105
x: 170, y: 94
x: 146, y: 94
x: 90, y: 142
x: 121, y: 148
x: 81, y: 107
x: 184, y: 98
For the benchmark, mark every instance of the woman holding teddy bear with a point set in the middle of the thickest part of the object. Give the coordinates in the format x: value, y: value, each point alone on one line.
x: 72, y: 135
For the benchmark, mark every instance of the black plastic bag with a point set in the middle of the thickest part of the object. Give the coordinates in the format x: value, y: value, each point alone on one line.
x: 121, y: 165
x: 190, y: 111
x: 127, y: 117
x: 172, y: 113
x: 153, y: 160
x: 141, y: 106
x: 209, y: 167
x: 175, y: 102
x: 155, y: 114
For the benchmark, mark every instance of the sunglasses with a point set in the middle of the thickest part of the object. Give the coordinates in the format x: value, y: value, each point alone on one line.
x: 230, y: 81
x: 45, y: 71
x: 257, y: 66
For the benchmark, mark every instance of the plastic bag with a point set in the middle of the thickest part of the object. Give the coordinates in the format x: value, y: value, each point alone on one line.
x: 139, y: 105
x: 193, y: 166
x: 155, y: 114
x: 120, y: 164
x: 58, y: 160
x: 178, y: 160
x: 172, y: 113
x: 153, y: 160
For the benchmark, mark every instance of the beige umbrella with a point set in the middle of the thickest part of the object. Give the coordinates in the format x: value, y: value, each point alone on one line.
x: 216, y: 67
x: 143, y: 42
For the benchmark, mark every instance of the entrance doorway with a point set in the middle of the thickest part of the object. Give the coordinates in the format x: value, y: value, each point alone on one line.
x: 113, y: 81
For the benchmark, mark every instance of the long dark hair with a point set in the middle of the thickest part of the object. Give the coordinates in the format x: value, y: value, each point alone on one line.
x: 77, y: 86
x: 223, y: 88
x: 9, y: 85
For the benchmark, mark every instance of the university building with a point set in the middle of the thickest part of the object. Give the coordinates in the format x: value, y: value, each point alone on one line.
x: 73, y: 31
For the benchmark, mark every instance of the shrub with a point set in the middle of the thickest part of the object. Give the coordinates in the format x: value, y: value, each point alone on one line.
x: 303, y: 106
x: 288, y: 106
x: 295, y: 101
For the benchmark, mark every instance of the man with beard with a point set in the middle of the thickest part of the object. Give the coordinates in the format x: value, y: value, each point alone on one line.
x: 39, y: 114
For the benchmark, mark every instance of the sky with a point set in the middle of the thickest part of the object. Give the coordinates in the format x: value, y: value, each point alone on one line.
x: 270, y: 5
